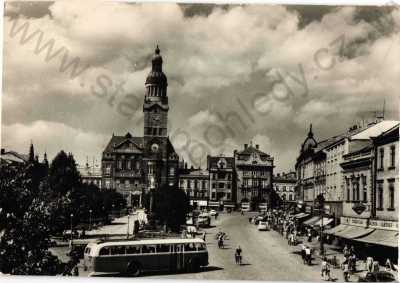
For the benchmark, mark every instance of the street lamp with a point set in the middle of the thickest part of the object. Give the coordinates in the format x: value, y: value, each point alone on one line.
x: 127, y: 232
x: 71, y: 225
x: 90, y: 219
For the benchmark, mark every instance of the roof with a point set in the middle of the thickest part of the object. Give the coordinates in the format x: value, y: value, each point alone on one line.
x: 118, y: 140
x: 375, y: 130
x: 96, y: 247
x: 250, y: 150
x: 14, y: 156
x: 197, y: 173
x: 212, y: 161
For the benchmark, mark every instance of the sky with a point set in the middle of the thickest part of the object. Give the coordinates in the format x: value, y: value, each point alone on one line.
x: 74, y: 73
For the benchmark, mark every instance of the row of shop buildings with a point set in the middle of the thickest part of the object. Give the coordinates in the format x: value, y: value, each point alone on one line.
x: 357, y: 175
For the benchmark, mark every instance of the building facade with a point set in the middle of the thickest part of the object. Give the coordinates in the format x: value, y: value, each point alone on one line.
x: 254, y: 170
x: 222, y: 181
x: 284, y: 185
x: 91, y: 174
x: 135, y: 165
x: 195, y: 183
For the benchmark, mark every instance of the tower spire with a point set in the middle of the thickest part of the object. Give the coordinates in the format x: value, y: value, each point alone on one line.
x: 310, y: 132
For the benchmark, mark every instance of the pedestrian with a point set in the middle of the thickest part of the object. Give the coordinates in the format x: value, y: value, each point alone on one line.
x: 204, y: 236
x: 346, y: 251
x: 388, y: 265
x: 76, y: 271
x: 353, y: 263
x: 369, y: 264
x: 308, y: 255
x: 345, y: 267
x: 303, y: 254
x: 325, y: 269
x: 375, y: 266
x: 238, y: 254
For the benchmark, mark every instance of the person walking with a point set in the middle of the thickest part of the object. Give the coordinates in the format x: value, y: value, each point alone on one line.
x: 325, y: 270
x: 238, y: 255
x: 388, y: 265
x: 345, y: 267
x: 308, y: 255
x: 369, y: 263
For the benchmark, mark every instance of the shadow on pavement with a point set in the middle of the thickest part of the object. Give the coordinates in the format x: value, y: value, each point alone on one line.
x: 153, y: 273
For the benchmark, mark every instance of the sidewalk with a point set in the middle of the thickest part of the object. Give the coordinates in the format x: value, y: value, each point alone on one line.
x: 330, y: 252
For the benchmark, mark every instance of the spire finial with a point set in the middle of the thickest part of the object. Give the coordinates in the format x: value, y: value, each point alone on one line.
x: 157, y: 51
x: 310, y: 133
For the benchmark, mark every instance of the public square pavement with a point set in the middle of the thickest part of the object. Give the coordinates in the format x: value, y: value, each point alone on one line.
x: 266, y: 254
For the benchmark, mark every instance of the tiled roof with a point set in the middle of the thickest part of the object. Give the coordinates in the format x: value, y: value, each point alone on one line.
x: 117, y: 140
x: 250, y: 150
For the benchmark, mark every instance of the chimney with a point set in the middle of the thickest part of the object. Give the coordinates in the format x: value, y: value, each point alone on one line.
x: 3, y: 151
x: 257, y: 146
x: 245, y: 146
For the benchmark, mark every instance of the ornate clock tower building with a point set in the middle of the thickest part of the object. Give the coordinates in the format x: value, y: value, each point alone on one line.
x: 159, y: 155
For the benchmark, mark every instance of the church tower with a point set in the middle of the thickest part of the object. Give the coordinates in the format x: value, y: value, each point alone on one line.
x: 158, y: 154
x: 155, y: 106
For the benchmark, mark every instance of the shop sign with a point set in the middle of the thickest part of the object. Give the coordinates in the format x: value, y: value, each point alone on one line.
x: 384, y: 224
x: 354, y: 221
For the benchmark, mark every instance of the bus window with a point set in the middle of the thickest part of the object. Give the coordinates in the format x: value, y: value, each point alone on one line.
x: 190, y: 247
x: 105, y: 251
x: 133, y: 250
x: 163, y: 248
x: 118, y: 250
x: 148, y: 249
x: 201, y: 247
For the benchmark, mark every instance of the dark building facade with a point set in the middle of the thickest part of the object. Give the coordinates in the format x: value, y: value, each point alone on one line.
x: 254, y: 170
x: 133, y: 165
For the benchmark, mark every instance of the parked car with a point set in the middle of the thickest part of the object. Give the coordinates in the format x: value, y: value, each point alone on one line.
x: 380, y: 276
x: 262, y: 226
x: 258, y: 218
x: 204, y: 220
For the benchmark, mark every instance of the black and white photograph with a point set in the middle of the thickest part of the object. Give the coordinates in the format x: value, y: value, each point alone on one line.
x: 205, y: 141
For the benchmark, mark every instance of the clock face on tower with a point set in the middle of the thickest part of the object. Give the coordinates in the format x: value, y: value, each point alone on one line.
x: 154, y: 148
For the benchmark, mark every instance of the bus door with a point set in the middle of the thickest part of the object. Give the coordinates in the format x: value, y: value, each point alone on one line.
x: 177, y: 258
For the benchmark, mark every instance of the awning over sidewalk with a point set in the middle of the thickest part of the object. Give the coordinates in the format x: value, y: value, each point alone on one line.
x: 349, y: 232
x: 311, y: 221
x: 301, y: 215
x: 325, y: 221
x: 382, y: 237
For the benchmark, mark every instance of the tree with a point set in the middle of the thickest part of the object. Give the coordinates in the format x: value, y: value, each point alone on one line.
x: 31, y: 154
x: 25, y: 213
x: 171, y: 206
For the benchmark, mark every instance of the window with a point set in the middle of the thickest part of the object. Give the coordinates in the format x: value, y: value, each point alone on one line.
x: 200, y: 247
x: 381, y: 156
x: 172, y: 171
x: 132, y: 250
x: 391, y: 195
x: 379, y: 199
x: 392, y: 156
x: 190, y: 247
x: 213, y: 195
x: 348, y: 189
x: 128, y: 165
x: 105, y: 251
x: 119, y: 165
x: 117, y: 250
x: 364, y: 186
x: 163, y: 248
x: 148, y: 249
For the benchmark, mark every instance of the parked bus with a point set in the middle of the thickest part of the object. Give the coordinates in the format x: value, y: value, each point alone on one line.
x: 134, y: 257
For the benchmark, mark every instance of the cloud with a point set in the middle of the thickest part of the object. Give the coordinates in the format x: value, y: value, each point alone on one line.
x: 311, y: 64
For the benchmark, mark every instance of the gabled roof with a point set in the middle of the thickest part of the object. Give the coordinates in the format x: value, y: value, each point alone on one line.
x: 250, y: 150
x: 375, y: 130
x: 14, y: 156
x: 116, y: 141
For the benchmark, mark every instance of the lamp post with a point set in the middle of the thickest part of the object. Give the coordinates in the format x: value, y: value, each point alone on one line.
x: 71, y: 215
x: 127, y: 232
x: 321, y: 201
x: 90, y: 219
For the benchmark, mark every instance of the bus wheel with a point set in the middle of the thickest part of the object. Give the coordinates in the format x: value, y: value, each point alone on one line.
x: 134, y: 269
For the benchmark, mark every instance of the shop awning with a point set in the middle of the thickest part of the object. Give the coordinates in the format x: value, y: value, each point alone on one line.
x: 301, y: 215
x: 311, y: 221
x: 349, y: 232
x: 325, y: 221
x: 381, y: 237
